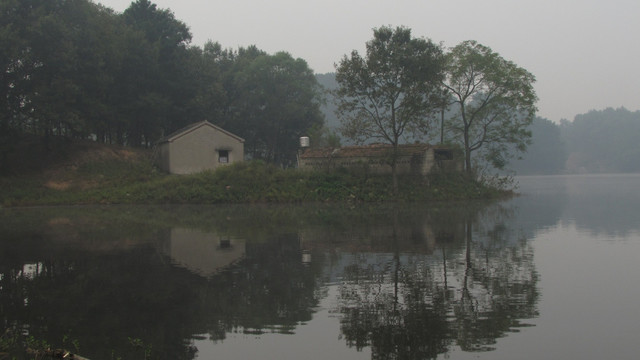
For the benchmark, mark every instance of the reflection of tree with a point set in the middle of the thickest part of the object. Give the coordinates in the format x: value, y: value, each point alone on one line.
x: 498, y: 281
x: 102, y: 297
x: 417, y: 306
x: 101, y: 300
x: 423, y: 280
x: 270, y: 290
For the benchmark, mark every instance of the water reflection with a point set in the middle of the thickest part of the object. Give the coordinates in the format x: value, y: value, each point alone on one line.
x: 599, y: 204
x: 413, y: 281
x: 204, y: 253
x: 409, y: 304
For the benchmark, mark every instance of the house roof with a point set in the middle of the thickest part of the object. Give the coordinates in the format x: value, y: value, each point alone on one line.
x: 190, y: 128
x: 373, y: 150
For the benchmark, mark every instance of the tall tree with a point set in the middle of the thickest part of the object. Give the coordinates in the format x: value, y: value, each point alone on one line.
x: 495, y: 103
x: 274, y: 99
x: 163, y: 95
x: 389, y: 94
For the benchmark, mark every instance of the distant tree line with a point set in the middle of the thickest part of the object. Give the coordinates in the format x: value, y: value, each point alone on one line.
x: 600, y: 141
x: 78, y: 70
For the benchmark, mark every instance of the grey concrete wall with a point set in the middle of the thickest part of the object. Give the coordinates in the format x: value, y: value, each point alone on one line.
x: 374, y: 165
x: 415, y: 164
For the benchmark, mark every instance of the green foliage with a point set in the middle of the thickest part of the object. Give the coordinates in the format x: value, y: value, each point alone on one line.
x: 494, y: 101
x: 78, y: 70
x: 245, y: 182
x: 273, y: 100
x: 389, y: 94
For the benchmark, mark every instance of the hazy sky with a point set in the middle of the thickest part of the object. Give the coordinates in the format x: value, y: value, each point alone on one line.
x: 585, y: 54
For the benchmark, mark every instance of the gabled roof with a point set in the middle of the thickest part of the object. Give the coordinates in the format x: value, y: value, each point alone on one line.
x: 374, y: 150
x: 193, y: 127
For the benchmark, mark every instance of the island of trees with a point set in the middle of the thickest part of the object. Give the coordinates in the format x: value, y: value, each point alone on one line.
x: 77, y: 71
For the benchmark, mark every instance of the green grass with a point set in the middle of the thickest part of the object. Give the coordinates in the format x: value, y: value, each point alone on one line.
x: 122, y: 182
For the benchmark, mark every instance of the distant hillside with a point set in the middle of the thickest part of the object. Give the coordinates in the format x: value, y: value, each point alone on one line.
x: 547, y: 153
x: 604, y: 141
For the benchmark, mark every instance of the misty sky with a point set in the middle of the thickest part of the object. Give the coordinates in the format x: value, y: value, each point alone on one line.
x: 585, y: 54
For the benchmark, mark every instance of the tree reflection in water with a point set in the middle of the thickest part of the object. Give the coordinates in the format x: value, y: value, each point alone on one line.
x: 110, y: 285
x: 411, y: 305
x: 418, y: 280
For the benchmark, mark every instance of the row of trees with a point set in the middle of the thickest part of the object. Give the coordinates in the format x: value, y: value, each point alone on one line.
x: 75, y: 69
x: 400, y: 90
x: 599, y: 141
x: 603, y: 141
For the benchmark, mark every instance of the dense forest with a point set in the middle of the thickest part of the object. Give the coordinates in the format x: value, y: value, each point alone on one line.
x: 73, y: 69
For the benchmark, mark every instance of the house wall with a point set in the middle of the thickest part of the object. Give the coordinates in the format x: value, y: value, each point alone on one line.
x: 418, y: 164
x: 204, y: 253
x: 198, y: 149
x: 373, y: 165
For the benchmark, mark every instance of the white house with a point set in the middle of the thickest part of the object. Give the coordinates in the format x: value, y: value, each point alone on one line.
x: 198, y: 147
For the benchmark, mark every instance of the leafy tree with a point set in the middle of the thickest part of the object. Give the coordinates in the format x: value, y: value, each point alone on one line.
x: 274, y: 99
x: 389, y: 94
x: 322, y: 136
x: 74, y: 69
x: 203, y: 71
x: 160, y: 105
x: 495, y: 103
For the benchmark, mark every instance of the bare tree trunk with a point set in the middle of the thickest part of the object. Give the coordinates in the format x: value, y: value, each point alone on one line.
x: 394, y: 177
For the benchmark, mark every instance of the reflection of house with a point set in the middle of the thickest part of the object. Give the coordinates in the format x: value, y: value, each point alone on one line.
x: 408, y: 238
x: 204, y: 253
x: 197, y: 147
x: 419, y: 159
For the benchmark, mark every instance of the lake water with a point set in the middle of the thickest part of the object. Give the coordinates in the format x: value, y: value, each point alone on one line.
x: 553, y: 274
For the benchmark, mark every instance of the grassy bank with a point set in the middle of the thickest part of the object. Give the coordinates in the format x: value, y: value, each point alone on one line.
x: 138, y: 182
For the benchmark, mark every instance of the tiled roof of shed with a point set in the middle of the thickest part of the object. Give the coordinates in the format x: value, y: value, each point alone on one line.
x: 194, y: 126
x: 373, y: 150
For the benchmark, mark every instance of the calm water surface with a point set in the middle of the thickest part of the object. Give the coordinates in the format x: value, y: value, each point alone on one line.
x: 553, y: 273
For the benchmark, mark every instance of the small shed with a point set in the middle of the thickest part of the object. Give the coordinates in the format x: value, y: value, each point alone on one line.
x: 198, y: 147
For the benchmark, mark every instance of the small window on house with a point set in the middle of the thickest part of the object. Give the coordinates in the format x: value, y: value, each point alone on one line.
x: 223, y: 156
x: 442, y: 154
x: 225, y: 243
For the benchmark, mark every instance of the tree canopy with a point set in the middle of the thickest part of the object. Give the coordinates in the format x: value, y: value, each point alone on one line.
x: 494, y: 103
x: 276, y: 100
x: 77, y: 70
x: 388, y: 95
